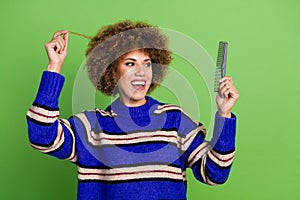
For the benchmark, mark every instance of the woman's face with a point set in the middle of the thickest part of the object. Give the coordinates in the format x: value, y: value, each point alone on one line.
x: 134, y: 75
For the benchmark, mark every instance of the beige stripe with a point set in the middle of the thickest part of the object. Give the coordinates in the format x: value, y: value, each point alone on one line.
x: 133, y: 138
x: 209, y: 182
x: 106, y: 139
x: 223, y: 156
x: 36, y: 114
x: 72, y: 156
x: 202, y: 169
x: 86, y: 125
x: 203, y: 172
x: 106, y: 113
x: 221, y: 160
x: 200, y: 151
x: 190, y: 137
x: 163, y: 108
x: 59, y: 140
x: 44, y: 111
x: 139, y: 172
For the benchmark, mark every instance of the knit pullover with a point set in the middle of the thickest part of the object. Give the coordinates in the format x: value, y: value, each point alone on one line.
x: 130, y: 152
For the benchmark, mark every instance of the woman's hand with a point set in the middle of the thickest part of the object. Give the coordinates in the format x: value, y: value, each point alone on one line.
x: 57, y: 50
x: 226, y: 96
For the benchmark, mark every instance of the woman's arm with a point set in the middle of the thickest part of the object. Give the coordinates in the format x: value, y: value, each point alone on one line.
x: 47, y: 132
x: 211, y: 161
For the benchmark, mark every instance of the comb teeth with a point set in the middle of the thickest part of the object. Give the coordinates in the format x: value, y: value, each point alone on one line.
x: 221, y: 64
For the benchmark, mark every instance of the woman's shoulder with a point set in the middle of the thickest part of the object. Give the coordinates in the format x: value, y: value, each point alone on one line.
x: 166, y: 107
x: 175, y: 110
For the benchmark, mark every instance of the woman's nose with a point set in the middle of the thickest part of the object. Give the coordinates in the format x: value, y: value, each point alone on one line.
x: 140, y: 70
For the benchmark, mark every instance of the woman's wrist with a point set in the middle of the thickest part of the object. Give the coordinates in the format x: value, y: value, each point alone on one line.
x: 225, y: 114
x: 52, y: 67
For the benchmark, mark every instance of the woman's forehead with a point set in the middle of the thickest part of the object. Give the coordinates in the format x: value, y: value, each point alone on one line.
x: 137, y: 54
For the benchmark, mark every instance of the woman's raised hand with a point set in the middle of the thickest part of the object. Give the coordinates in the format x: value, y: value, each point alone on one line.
x: 57, y: 50
x: 226, y: 96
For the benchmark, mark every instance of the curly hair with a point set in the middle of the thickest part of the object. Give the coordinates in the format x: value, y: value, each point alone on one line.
x: 114, y: 41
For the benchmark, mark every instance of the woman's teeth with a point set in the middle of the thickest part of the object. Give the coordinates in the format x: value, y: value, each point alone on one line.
x: 138, y: 83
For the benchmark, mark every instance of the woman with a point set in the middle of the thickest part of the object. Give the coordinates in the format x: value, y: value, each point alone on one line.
x: 138, y: 147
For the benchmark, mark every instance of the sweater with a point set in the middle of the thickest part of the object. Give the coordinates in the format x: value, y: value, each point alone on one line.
x: 130, y: 152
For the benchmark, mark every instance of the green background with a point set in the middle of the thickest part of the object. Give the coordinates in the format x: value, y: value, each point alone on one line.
x: 263, y: 59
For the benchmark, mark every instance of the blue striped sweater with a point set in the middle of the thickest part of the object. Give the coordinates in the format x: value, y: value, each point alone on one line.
x: 130, y: 152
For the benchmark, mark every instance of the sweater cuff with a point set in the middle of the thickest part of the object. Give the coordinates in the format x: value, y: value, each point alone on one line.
x: 50, y: 88
x: 224, y: 134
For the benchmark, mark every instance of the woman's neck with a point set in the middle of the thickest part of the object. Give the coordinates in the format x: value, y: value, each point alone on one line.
x: 133, y: 102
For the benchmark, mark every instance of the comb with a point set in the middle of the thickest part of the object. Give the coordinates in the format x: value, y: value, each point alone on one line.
x: 221, y: 64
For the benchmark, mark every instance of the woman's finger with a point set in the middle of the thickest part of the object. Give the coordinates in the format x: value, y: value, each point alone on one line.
x: 226, y: 78
x: 57, y: 46
x: 225, y: 83
x: 60, y: 41
x: 59, y: 33
x: 66, y: 40
x: 224, y: 91
x: 51, y: 46
x: 62, y: 38
x: 234, y: 93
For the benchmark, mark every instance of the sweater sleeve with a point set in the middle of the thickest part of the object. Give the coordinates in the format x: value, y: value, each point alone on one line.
x: 46, y: 131
x: 211, y: 161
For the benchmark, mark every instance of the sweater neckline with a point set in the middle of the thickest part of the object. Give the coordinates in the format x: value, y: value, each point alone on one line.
x: 120, y: 109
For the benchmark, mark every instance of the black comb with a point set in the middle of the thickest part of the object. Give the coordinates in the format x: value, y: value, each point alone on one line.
x: 221, y: 64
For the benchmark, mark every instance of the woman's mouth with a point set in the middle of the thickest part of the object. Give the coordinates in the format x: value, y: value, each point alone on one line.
x: 138, y: 84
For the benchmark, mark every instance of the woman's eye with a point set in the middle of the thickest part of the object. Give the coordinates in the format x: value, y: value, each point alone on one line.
x: 130, y: 64
x: 147, y: 64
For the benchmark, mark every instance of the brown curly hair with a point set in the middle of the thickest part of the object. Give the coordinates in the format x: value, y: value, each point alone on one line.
x: 114, y: 41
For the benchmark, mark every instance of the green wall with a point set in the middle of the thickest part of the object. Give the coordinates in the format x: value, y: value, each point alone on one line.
x: 263, y: 59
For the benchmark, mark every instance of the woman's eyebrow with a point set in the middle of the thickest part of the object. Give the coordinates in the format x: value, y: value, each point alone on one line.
x: 130, y: 59
x: 133, y: 59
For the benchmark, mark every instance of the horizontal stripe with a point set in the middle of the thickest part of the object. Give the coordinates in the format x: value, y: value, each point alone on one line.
x: 104, y: 113
x: 120, y: 132
x: 198, y: 153
x: 132, y: 180
x: 191, y: 136
x: 45, y: 112
x: 45, y: 107
x: 99, y: 131
x: 223, y: 152
x: 202, y: 169
x: 172, y: 107
x: 73, y: 156
x: 221, y: 160
x: 38, y: 122
x: 129, y: 165
x: 203, y: 172
x: 158, y: 145
x: 133, y: 138
x: 42, y: 115
x: 103, y: 139
x: 129, y: 173
x: 141, y: 137
x: 59, y: 140
x: 162, y: 108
